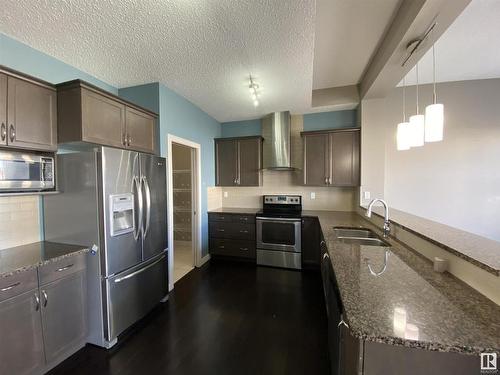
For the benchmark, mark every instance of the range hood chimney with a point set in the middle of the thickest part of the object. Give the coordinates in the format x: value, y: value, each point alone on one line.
x: 276, y: 147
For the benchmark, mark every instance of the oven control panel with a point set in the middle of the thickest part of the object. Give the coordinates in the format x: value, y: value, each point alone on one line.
x: 282, y: 199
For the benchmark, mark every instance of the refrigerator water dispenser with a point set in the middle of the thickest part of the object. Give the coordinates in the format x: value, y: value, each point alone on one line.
x: 122, y: 213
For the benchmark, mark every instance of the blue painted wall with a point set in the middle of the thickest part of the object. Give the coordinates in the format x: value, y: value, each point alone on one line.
x: 312, y: 121
x: 241, y: 128
x: 21, y: 57
x: 330, y: 120
x: 179, y: 117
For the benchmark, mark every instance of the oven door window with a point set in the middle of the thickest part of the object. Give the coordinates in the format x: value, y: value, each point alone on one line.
x: 278, y: 233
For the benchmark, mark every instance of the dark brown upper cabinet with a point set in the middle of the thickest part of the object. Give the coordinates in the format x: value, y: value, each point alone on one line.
x: 89, y: 114
x: 28, y: 112
x: 331, y: 158
x: 238, y: 161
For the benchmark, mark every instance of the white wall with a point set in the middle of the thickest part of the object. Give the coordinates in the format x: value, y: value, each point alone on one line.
x: 455, y: 182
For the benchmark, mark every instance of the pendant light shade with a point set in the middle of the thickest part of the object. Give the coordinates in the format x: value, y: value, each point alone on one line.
x: 403, y: 133
x: 434, y: 122
x: 403, y: 136
x: 434, y: 113
x: 417, y: 130
x: 417, y: 125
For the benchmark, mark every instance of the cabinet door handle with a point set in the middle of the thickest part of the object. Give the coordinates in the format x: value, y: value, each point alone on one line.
x: 129, y: 140
x: 45, y: 298
x: 124, y: 141
x: 220, y: 230
x: 221, y: 247
x: 3, y: 131
x: 244, y: 248
x: 12, y: 133
x: 244, y: 218
x: 64, y: 268
x: 243, y: 231
x: 329, y: 180
x: 37, y: 302
x: 326, y: 256
x: 326, y: 180
x: 12, y: 286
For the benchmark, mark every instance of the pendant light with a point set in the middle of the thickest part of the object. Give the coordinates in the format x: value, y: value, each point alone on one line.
x: 403, y: 129
x: 417, y: 125
x: 434, y: 113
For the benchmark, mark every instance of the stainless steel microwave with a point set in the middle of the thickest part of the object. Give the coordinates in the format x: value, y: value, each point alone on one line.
x: 24, y: 172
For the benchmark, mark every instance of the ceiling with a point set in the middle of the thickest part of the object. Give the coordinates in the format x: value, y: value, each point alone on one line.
x: 205, y: 50
x: 347, y: 34
x: 468, y: 49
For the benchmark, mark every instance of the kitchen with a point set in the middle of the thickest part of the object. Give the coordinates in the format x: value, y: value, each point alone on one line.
x: 341, y: 198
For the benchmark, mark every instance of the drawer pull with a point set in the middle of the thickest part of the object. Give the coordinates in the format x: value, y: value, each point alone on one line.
x: 222, y: 217
x: 12, y: 286
x: 244, y: 248
x: 243, y: 231
x: 220, y: 230
x: 244, y: 218
x: 221, y: 247
x: 64, y: 268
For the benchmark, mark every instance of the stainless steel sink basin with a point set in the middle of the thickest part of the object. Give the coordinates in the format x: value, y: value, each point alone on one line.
x: 354, y: 232
x: 359, y: 236
x: 364, y: 241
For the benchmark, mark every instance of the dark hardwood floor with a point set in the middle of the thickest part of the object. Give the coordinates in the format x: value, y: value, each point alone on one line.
x: 224, y: 318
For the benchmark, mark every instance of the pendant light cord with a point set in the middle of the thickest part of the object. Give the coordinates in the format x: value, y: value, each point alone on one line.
x: 434, y: 96
x: 417, y: 91
x: 404, y: 99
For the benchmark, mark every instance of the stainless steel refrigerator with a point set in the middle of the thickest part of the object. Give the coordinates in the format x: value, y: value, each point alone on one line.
x: 113, y: 201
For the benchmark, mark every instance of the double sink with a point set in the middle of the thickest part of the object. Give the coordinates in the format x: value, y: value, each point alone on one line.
x: 359, y: 236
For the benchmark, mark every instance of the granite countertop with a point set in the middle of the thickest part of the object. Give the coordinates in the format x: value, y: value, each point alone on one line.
x: 26, y: 257
x: 409, y: 304
x: 235, y: 210
x: 480, y: 251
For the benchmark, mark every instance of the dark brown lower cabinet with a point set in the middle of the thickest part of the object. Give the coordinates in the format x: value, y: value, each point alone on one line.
x: 350, y: 355
x: 232, y: 235
x: 42, y: 316
x: 311, y: 256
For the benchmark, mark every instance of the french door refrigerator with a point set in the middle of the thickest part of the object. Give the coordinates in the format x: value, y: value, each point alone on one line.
x: 114, y: 202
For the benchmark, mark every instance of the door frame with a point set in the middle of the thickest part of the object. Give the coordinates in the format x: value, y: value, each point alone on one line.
x: 196, y: 204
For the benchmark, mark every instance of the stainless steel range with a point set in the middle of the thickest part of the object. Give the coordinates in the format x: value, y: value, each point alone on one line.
x: 279, y: 231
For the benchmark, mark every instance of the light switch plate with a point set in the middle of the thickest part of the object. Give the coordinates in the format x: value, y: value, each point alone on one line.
x: 225, y: 194
x: 367, y: 195
x: 313, y: 195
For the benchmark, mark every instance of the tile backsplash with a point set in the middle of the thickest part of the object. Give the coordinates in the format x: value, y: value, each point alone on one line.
x: 286, y: 182
x: 19, y: 220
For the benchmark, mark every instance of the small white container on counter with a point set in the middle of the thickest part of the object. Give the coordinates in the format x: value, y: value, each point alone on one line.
x: 440, y: 264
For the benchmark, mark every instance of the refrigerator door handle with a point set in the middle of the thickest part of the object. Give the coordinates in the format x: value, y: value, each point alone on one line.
x: 148, y: 205
x: 138, y: 195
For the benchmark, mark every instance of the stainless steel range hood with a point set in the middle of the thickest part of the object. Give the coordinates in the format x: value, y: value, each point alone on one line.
x: 276, y: 147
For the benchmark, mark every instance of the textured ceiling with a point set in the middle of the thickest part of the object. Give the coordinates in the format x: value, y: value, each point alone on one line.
x: 347, y: 33
x: 202, y: 49
x: 468, y: 49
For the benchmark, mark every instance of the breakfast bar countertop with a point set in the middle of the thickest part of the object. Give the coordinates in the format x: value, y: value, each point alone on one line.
x: 33, y: 255
x: 408, y: 303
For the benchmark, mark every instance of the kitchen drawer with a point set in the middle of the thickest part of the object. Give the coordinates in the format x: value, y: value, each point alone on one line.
x: 18, y: 283
x: 245, y: 219
x: 235, y: 248
x: 234, y: 218
x: 220, y: 217
x: 234, y: 231
x: 64, y: 267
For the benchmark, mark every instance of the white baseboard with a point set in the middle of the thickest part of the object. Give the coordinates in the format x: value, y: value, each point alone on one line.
x: 204, y: 260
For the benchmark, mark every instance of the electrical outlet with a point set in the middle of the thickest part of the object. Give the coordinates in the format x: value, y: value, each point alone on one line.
x: 313, y: 195
x: 367, y: 195
x: 226, y: 194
